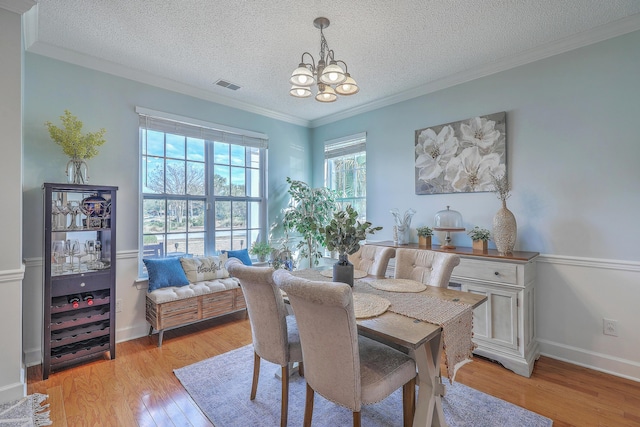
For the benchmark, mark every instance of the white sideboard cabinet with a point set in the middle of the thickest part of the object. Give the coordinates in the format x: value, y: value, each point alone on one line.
x: 503, y: 326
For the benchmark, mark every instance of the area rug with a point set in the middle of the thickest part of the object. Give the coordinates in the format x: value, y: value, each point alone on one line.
x: 26, y: 412
x: 221, y: 385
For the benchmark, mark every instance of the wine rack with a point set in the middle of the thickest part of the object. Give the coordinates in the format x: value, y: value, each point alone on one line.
x: 79, y: 274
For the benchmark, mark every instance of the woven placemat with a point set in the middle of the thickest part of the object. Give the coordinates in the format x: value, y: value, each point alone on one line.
x: 369, y: 305
x: 357, y: 274
x: 398, y: 285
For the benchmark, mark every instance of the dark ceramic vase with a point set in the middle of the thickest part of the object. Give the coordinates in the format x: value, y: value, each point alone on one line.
x: 343, y: 270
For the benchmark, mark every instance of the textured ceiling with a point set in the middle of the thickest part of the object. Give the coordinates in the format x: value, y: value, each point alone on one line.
x: 395, y: 49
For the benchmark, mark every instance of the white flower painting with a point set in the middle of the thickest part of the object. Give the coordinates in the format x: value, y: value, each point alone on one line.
x: 460, y: 157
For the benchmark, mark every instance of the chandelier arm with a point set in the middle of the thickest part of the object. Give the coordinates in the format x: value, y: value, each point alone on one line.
x: 344, y: 63
x: 312, y: 64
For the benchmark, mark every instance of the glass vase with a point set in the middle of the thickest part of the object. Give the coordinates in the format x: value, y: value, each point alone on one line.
x: 77, y: 171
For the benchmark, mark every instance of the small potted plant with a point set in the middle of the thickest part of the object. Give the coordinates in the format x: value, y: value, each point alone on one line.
x: 424, y: 236
x: 344, y: 234
x: 480, y: 237
x: 261, y: 250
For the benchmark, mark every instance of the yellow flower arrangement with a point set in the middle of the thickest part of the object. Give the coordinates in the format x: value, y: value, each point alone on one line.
x: 74, y: 144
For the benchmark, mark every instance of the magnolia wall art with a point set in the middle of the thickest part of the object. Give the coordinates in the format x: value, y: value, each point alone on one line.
x: 460, y: 157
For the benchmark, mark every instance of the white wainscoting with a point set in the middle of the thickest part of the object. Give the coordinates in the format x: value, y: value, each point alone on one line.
x: 573, y: 296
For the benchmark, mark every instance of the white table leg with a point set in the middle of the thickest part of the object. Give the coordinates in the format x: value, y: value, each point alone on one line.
x: 429, y: 410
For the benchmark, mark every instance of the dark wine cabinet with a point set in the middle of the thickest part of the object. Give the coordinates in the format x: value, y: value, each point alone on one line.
x: 79, y: 265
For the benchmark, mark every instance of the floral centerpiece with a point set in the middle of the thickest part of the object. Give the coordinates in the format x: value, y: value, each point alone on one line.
x: 77, y: 146
x: 344, y: 234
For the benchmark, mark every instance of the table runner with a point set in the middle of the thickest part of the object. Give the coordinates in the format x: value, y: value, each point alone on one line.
x: 455, y: 318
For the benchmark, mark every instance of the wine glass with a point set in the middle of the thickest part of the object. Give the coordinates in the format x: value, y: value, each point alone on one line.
x: 90, y: 249
x: 72, y: 249
x: 74, y: 208
x: 59, y: 256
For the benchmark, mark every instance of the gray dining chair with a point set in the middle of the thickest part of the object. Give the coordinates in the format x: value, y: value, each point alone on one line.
x: 340, y: 365
x: 372, y: 259
x: 274, y: 333
x: 428, y: 267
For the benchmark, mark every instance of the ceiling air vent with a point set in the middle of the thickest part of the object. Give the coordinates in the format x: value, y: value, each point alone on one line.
x: 227, y: 84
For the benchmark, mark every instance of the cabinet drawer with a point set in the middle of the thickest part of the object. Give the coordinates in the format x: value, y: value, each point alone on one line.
x: 500, y: 272
x: 80, y: 283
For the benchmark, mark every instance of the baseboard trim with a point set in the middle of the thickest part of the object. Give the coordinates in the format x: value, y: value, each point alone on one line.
x: 612, y: 365
x: 13, y: 391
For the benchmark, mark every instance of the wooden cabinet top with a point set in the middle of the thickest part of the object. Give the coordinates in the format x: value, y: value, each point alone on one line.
x: 520, y: 256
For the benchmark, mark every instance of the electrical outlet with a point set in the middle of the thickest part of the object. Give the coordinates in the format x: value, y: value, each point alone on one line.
x: 610, y: 327
x: 118, y: 305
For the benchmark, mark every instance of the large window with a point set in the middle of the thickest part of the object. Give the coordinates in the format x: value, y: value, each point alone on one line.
x: 202, y: 186
x: 345, y: 170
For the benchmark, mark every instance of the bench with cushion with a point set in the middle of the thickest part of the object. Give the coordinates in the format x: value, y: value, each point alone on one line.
x: 187, y: 290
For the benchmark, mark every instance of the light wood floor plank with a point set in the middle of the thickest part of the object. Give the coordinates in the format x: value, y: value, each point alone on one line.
x: 140, y: 388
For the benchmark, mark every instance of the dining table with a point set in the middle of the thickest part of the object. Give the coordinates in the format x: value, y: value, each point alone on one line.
x: 402, y: 325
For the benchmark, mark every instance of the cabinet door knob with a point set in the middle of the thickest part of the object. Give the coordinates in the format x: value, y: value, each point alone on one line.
x: 82, y: 285
x: 496, y: 273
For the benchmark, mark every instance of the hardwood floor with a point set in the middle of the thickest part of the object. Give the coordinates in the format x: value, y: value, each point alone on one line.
x: 139, y: 387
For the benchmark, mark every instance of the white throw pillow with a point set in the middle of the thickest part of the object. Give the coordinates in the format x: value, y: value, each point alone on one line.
x: 205, y: 268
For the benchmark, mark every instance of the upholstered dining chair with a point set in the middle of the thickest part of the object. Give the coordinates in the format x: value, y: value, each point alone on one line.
x: 340, y: 365
x: 372, y: 259
x: 428, y: 267
x: 275, y: 335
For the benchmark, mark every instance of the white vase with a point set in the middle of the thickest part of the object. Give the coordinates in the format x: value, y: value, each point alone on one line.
x: 505, y: 230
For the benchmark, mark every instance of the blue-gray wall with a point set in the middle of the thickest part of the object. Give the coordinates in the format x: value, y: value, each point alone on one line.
x: 573, y: 151
x: 104, y: 101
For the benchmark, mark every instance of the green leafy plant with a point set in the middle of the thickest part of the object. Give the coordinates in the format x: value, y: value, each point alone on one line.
x: 261, y: 250
x: 478, y: 233
x: 424, y: 231
x: 74, y: 144
x: 344, y: 233
x: 309, y: 210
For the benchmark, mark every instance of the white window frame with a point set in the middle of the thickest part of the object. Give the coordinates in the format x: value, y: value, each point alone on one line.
x: 210, y: 132
x: 344, y: 147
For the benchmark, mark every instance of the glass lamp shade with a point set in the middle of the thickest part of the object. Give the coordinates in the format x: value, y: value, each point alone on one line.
x: 332, y: 74
x: 348, y: 87
x: 448, y: 220
x: 300, y: 91
x: 302, y: 76
x: 326, y: 94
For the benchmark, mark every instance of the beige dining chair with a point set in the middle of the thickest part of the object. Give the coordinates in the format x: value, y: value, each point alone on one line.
x: 428, y: 267
x: 340, y: 365
x: 275, y: 335
x: 372, y: 259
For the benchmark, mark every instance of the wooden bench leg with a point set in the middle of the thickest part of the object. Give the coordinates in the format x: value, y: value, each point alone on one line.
x: 160, y: 334
x: 150, y: 330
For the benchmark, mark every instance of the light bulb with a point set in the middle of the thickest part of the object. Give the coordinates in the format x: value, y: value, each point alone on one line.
x: 333, y: 76
x: 302, y: 80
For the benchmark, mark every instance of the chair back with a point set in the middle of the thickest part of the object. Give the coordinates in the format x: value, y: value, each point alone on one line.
x: 153, y: 250
x: 372, y: 259
x: 329, y: 337
x: 428, y: 267
x: 266, y: 309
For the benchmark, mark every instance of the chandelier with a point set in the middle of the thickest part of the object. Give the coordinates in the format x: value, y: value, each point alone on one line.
x: 332, y: 80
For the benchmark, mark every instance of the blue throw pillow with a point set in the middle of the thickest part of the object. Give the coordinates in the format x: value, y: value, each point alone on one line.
x: 165, y: 272
x: 242, y: 255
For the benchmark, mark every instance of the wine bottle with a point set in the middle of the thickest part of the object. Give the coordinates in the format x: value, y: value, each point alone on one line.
x: 88, y: 298
x: 74, y: 300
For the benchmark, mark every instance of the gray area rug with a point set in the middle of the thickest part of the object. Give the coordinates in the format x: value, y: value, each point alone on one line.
x: 221, y: 385
x: 25, y: 412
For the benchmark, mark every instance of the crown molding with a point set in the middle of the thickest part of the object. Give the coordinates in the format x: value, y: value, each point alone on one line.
x: 118, y: 70
x: 595, y: 35
x: 17, y: 6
